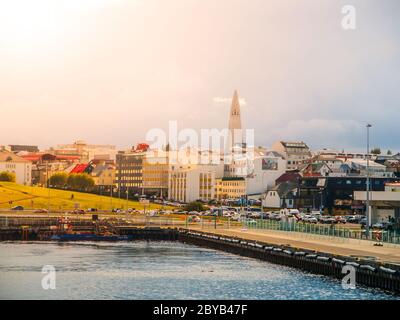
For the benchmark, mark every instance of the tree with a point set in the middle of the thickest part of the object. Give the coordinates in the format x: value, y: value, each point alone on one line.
x: 389, y: 152
x: 7, y: 176
x: 58, y: 180
x: 376, y: 151
x: 80, y: 182
x: 195, y: 206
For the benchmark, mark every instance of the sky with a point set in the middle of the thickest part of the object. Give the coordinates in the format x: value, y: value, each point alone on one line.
x: 108, y: 71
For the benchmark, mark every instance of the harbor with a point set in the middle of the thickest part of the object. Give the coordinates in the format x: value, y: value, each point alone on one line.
x: 376, y: 266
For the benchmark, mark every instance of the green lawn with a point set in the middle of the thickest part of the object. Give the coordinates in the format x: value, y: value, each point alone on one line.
x: 38, y: 197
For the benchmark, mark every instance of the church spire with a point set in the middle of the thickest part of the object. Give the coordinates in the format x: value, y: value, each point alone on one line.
x: 235, y: 123
x: 234, y: 117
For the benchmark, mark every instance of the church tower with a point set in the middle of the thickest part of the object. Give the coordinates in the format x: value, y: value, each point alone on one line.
x: 235, y: 123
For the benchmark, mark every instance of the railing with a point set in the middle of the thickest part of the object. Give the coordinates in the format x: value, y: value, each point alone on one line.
x: 332, y: 230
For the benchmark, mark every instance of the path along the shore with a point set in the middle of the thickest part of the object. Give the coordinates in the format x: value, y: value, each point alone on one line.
x: 333, y: 245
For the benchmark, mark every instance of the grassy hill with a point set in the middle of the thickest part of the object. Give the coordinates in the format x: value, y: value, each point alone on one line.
x: 38, y: 197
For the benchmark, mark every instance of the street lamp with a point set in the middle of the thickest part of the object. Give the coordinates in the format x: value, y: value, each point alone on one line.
x: 368, y: 211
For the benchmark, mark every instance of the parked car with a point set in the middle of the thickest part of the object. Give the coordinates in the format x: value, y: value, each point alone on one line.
x: 255, y: 214
x: 327, y: 220
x: 310, y: 219
x: 194, y: 213
x: 17, y: 208
x: 91, y: 210
x: 340, y: 219
x: 40, y: 211
x: 78, y: 211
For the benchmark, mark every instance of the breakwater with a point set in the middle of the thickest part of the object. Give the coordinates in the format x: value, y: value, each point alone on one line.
x: 368, y: 273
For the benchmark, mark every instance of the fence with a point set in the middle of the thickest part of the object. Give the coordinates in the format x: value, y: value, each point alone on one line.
x: 331, y: 230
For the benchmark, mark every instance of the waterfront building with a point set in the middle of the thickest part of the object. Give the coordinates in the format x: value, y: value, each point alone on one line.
x: 334, y: 195
x: 156, y: 168
x: 129, y: 172
x: 189, y: 183
x: 230, y: 188
x: 20, y: 167
x: 295, y: 153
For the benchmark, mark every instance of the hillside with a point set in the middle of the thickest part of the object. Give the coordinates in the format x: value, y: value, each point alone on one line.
x: 38, y: 197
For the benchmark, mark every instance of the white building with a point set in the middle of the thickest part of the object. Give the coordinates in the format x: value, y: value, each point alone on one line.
x: 280, y: 196
x: 265, y: 168
x: 21, y: 168
x: 189, y: 183
x: 383, y: 204
x: 359, y: 166
x: 295, y: 153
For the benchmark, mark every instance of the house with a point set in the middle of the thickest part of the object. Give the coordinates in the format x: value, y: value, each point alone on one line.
x: 103, y: 176
x: 20, y: 167
x: 281, y: 196
x: 316, y: 169
x: 295, y: 153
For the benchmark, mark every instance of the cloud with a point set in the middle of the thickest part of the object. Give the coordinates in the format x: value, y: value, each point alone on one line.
x: 321, y: 132
x: 223, y: 100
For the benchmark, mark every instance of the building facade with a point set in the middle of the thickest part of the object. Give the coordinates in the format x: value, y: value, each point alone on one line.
x: 86, y: 152
x: 155, y: 174
x: 230, y: 188
x: 129, y: 172
x: 189, y: 183
x: 295, y: 153
x: 21, y: 168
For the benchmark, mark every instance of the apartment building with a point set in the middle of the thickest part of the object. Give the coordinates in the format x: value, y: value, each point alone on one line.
x: 129, y: 172
x: 155, y: 174
x: 189, y: 183
x: 230, y: 188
